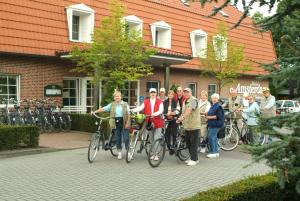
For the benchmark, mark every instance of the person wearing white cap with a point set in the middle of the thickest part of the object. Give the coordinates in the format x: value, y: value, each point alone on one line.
x: 245, y: 100
x: 153, y: 109
x: 215, y: 118
x: 192, y: 124
x: 162, y: 94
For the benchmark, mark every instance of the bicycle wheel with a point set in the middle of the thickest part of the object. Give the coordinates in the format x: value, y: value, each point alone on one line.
x: 132, y: 145
x: 113, y: 145
x: 182, y: 151
x: 262, y: 139
x: 157, y: 152
x: 231, y: 139
x: 245, y: 134
x: 94, y: 147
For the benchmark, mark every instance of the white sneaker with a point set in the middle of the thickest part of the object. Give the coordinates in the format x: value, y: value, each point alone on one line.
x: 187, y: 161
x: 156, y: 158
x: 192, y: 163
x: 217, y: 154
x: 119, y: 155
x: 212, y: 155
x: 202, y: 150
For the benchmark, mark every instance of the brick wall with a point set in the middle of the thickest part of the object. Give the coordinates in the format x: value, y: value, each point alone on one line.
x: 36, y: 72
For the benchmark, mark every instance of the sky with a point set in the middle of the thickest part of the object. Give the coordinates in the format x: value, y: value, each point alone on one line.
x: 263, y: 10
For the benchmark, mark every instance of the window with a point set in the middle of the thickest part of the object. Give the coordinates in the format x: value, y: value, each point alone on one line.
x: 212, y: 88
x: 296, y: 104
x: 193, y: 87
x: 90, y: 96
x: 9, y: 87
x: 70, y: 92
x: 222, y: 12
x: 161, y: 34
x: 75, y: 28
x: 152, y: 84
x: 80, y: 23
x: 288, y: 104
x: 185, y: 2
x: 134, y: 23
x: 220, y: 47
x: 199, y: 43
x: 130, y: 92
x: 278, y: 104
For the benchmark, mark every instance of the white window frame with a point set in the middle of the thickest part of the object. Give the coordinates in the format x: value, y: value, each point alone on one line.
x: 165, y: 27
x: 220, y: 52
x: 134, y: 22
x: 193, y: 83
x: 18, y: 89
x: 85, y: 30
x: 202, y: 50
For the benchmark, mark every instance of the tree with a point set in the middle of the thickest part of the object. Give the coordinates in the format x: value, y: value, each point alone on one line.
x: 116, y: 54
x: 224, y: 59
x: 283, y: 155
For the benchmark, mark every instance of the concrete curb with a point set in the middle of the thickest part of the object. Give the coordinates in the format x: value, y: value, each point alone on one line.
x: 31, y: 151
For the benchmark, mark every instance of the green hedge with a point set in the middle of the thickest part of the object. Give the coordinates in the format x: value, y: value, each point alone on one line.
x: 258, y: 188
x: 12, y: 137
x: 86, y: 123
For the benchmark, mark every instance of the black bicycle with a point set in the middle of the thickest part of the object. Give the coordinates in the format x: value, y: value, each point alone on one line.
x: 158, y: 149
x: 97, y: 141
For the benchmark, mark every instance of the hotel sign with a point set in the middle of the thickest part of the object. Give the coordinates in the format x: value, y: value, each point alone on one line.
x: 53, y: 90
x: 253, y: 88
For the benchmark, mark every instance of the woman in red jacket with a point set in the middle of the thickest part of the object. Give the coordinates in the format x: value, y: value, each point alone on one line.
x: 153, y: 109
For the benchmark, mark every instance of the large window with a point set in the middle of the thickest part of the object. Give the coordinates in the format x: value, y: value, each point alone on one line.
x: 9, y: 87
x: 199, y: 43
x: 152, y: 84
x: 193, y: 87
x: 212, y: 88
x: 80, y: 22
x: 70, y: 92
x: 161, y: 34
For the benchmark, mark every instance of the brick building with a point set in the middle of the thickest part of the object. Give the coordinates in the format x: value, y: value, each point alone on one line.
x: 34, y: 32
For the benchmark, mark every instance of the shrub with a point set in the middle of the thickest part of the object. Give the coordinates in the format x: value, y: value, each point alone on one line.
x: 12, y: 137
x: 86, y: 123
x: 258, y: 188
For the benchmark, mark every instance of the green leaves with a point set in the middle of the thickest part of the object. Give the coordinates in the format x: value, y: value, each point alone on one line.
x: 117, y: 53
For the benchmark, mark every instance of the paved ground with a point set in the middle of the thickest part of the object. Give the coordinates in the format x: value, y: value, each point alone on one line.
x: 66, y: 175
x: 62, y: 140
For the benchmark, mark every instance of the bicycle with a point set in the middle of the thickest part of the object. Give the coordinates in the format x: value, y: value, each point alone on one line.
x: 139, y: 131
x: 97, y: 141
x: 158, y: 149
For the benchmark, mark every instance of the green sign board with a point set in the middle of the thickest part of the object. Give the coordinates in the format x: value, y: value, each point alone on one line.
x: 53, y: 90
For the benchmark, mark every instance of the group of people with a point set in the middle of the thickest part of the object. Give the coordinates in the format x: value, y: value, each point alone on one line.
x: 253, y: 111
x: 201, y: 118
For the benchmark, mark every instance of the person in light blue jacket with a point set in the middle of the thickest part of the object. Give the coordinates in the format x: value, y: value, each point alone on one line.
x: 252, y: 113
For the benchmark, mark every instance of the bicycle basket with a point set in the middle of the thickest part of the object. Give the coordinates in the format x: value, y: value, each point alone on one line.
x: 140, y: 118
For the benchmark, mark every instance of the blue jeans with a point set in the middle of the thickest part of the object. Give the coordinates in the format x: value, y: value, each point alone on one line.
x: 213, y: 140
x: 118, y: 132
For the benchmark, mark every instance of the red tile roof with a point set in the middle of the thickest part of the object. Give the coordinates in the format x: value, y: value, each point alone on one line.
x: 40, y: 27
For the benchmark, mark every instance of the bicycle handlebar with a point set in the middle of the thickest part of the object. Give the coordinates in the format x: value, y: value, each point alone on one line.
x: 98, y: 117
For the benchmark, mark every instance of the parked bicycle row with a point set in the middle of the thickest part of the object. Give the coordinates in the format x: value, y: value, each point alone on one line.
x: 47, y: 114
x: 179, y: 123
